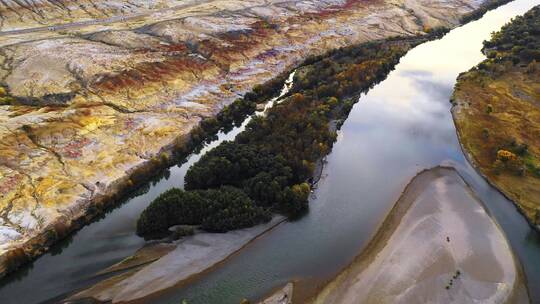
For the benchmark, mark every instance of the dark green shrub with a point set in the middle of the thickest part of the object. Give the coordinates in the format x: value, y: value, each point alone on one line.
x: 294, y: 200
x: 217, y: 210
x: 173, y: 207
x: 230, y: 208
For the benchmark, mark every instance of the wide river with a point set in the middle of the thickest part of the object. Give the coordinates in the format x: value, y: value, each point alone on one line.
x: 400, y: 127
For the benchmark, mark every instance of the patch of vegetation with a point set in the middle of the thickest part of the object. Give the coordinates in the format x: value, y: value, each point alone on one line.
x: 215, y: 210
x: 510, y: 158
x: 516, y: 44
x: 270, y: 164
x: 499, y: 115
x: 517, y: 41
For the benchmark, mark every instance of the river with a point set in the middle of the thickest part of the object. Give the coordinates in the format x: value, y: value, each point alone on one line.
x: 400, y: 127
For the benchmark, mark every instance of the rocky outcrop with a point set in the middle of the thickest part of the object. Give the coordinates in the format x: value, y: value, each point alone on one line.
x: 98, y: 100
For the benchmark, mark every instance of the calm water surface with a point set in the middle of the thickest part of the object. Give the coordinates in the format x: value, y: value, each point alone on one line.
x: 397, y: 129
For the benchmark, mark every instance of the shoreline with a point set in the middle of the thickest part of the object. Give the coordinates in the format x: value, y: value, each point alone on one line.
x: 384, y: 230
x: 474, y: 164
x: 140, y: 283
x: 389, y: 227
x: 508, y: 84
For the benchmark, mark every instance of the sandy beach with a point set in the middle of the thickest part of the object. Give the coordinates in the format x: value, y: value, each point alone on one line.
x: 437, y: 245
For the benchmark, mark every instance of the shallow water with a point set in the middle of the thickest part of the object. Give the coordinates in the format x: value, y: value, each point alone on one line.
x: 399, y: 128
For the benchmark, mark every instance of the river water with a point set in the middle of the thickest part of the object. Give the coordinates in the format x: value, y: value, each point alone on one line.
x: 400, y: 127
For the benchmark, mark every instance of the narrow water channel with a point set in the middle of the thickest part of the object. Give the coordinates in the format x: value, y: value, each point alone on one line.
x: 399, y: 128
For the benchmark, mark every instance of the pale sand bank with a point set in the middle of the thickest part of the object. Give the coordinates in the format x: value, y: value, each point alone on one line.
x: 192, y: 255
x: 436, y: 230
x: 281, y: 296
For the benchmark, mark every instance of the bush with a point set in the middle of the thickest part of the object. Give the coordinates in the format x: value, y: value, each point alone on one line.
x: 294, y: 201
x: 173, y: 207
x: 182, y: 231
x: 507, y: 160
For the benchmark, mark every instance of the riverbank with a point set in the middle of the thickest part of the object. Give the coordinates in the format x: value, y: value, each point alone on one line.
x: 191, y: 256
x: 497, y: 114
x: 121, y: 96
x: 281, y: 296
x: 438, y: 244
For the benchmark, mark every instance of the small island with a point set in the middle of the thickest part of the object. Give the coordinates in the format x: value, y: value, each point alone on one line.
x: 270, y: 167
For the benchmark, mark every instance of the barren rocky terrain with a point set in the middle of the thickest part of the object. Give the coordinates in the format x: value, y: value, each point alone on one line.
x: 94, y: 91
